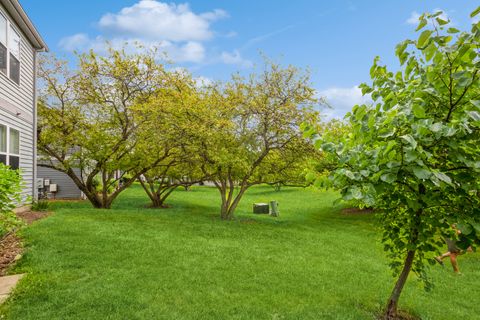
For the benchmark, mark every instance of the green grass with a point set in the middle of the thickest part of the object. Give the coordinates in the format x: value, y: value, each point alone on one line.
x: 185, y: 263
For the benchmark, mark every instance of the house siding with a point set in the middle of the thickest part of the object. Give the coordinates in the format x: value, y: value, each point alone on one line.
x: 17, y: 109
x: 67, y: 189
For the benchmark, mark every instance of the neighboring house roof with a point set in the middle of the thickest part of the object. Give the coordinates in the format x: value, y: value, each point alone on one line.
x: 24, y: 23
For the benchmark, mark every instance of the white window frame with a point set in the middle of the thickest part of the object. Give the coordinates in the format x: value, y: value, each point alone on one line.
x: 9, y: 152
x: 12, y: 26
x: 6, y: 42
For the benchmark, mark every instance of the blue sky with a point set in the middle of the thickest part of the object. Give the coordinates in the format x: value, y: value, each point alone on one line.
x: 337, y: 40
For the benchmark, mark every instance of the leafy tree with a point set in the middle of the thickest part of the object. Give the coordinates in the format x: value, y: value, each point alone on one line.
x: 88, y: 120
x: 238, y: 127
x: 414, y: 154
x: 162, y: 126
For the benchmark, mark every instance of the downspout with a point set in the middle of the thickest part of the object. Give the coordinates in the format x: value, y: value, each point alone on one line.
x: 34, y: 151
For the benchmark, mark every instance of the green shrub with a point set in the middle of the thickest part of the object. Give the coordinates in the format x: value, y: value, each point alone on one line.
x: 9, y: 197
x: 40, y: 205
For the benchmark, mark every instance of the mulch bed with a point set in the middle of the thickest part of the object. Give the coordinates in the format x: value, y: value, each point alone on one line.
x: 10, y: 251
x: 31, y: 216
x: 352, y: 211
x: 11, y: 245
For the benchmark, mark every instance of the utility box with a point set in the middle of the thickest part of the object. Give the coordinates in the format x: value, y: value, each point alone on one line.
x: 53, y: 187
x: 261, y: 208
x: 275, y: 212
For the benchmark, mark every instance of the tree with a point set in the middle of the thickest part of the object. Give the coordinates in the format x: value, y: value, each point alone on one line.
x: 163, y: 124
x: 414, y: 154
x: 88, y: 120
x: 237, y: 127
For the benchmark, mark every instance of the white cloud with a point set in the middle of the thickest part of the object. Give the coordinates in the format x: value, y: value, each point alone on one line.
x: 202, y: 81
x: 341, y: 101
x: 235, y: 57
x: 413, y: 19
x: 173, y: 28
x: 414, y: 16
x: 72, y: 43
x: 154, y: 20
x: 190, y: 51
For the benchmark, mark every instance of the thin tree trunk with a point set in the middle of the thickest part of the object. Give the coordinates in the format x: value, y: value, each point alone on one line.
x: 392, y: 305
x: 224, y: 211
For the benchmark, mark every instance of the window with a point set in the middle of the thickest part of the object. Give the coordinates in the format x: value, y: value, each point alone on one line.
x: 3, y: 138
x: 14, y: 69
x: 14, y: 47
x: 9, y: 50
x: 3, y: 44
x: 9, y: 153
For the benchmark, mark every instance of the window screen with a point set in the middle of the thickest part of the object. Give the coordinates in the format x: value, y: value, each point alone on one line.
x: 3, y: 44
x: 3, y: 138
x: 14, y: 69
x: 3, y: 30
x: 3, y: 159
x: 14, y: 162
x: 14, y: 43
x: 3, y: 59
x: 14, y: 141
x: 14, y: 48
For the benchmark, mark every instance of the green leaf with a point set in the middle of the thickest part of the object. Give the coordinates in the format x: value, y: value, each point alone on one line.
x: 441, y: 21
x: 421, y: 173
x: 410, y: 140
x: 386, y: 132
x: 464, y: 228
x: 443, y: 177
x: 349, y: 174
x: 453, y: 30
x: 424, y: 36
x: 430, y: 51
x: 476, y: 103
x: 475, y: 12
x: 411, y: 155
x: 356, y: 193
x: 328, y: 147
x: 436, y: 127
x: 388, y: 178
x: 418, y: 111
x: 474, y: 115
x: 423, y: 23
x: 390, y: 145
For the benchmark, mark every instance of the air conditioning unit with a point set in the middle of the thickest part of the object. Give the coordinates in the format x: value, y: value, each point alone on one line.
x: 53, y: 188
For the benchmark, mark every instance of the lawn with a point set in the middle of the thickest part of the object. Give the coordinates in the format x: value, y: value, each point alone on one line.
x: 184, y: 263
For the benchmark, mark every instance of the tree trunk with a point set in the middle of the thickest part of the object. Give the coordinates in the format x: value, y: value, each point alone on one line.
x: 225, y: 212
x: 391, y: 312
x: 96, y: 203
x: 230, y: 203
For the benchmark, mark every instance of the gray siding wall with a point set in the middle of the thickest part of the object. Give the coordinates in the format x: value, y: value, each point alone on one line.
x: 67, y: 189
x: 17, y: 109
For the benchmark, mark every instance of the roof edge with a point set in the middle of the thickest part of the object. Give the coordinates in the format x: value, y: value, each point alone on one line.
x: 22, y: 20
